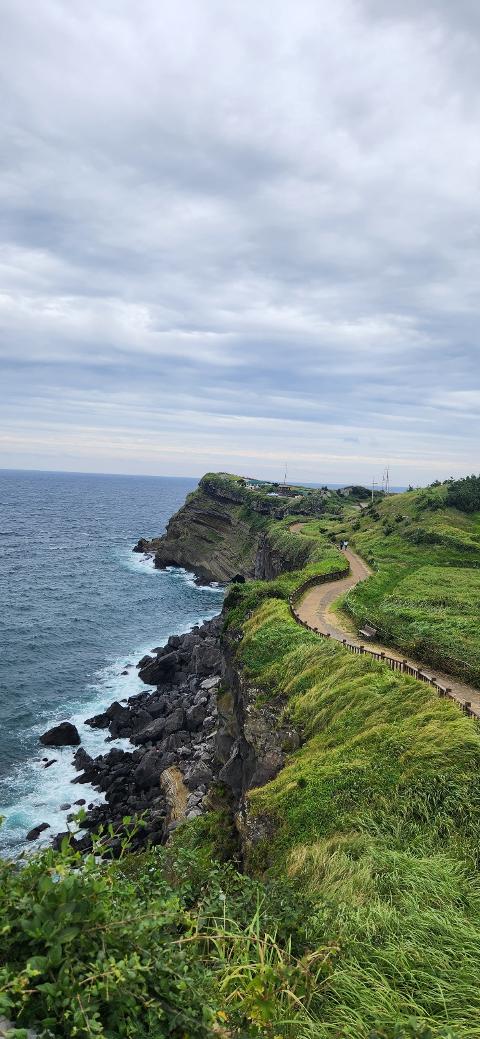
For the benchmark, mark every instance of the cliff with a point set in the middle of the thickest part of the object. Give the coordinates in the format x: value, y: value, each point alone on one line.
x: 216, y: 533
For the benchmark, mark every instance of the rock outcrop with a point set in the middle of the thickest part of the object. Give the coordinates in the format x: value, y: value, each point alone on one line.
x: 215, y: 534
x: 62, y: 735
x: 252, y: 739
x: 171, y: 767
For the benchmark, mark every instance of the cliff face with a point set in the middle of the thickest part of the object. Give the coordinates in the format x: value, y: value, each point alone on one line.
x: 252, y: 741
x: 269, y: 562
x: 220, y: 533
x: 211, y: 535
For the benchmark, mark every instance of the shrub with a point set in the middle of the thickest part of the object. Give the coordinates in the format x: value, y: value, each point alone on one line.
x: 465, y: 494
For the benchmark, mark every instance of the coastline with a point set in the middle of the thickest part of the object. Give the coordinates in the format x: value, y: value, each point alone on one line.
x: 48, y: 777
x: 171, y: 729
x: 92, y: 790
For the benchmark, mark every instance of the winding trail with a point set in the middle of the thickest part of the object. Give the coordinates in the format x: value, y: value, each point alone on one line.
x: 314, y: 610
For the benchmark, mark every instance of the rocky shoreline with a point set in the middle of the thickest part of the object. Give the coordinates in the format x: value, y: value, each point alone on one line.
x: 167, y: 775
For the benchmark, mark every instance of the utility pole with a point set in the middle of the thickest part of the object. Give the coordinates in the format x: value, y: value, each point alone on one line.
x: 374, y: 484
x: 285, y: 477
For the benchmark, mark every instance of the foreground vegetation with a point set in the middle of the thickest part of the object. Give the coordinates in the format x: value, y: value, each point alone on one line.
x: 172, y: 942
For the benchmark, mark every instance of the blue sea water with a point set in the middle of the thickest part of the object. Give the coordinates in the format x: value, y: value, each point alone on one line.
x: 76, y: 607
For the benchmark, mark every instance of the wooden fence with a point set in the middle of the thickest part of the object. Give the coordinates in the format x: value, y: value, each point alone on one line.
x: 392, y: 662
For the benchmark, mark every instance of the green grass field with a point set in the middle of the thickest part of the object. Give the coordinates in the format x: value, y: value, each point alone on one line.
x: 425, y: 594
x: 376, y: 819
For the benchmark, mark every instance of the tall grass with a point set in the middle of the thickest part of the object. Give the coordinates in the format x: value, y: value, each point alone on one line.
x: 376, y: 817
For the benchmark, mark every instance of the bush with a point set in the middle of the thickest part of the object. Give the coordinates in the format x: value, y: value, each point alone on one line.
x: 166, y: 943
x: 465, y: 494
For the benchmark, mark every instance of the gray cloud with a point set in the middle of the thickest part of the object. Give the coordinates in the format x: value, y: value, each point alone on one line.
x: 233, y: 235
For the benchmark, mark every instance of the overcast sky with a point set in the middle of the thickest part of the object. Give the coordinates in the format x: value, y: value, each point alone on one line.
x: 239, y: 233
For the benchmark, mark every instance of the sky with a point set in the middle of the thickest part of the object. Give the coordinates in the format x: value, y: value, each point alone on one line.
x: 236, y: 235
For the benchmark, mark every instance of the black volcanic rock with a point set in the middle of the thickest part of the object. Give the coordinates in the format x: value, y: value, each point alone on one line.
x: 159, y: 668
x: 82, y: 760
x: 175, y: 721
x: 151, y: 732
x: 142, y: 546
x: 62, y: 735
x: 148, y: 771
x: 35, y: 832
x: 171, y: 725
x: 196, y: 715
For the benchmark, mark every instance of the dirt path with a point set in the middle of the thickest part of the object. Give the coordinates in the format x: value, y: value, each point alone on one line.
x: 315, y: 611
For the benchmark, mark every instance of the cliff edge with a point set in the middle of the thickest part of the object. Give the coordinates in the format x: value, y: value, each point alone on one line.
x: 216, y: 533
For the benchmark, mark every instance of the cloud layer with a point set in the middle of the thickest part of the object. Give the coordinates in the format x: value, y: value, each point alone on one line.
x: 236, y: 234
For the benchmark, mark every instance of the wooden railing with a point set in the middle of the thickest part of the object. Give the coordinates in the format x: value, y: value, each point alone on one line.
x: 402, y: 666
x: 334, y: 575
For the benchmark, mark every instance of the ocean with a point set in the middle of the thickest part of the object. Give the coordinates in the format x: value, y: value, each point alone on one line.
x: 77, y: 607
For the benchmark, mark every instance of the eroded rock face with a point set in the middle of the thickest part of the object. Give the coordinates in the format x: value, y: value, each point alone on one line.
x: 62, y: 735
x: 209, y: 535
x: 251, y: 742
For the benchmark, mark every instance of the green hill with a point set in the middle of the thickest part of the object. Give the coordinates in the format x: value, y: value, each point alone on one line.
x: 425, y: 596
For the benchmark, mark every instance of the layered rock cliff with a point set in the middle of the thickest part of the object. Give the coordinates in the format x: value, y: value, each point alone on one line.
x: 216, y: 533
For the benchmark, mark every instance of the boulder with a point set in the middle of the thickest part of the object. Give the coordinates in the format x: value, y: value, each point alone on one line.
x: 206, y: 657
x: 158, y: 668
x: 35, y: 832
x: 82, y: 760
x: 152, y: 732
x: 145, y: 660
x: 147, y: 773
x: 210, y: 683
x: 174, y: 722
x: 158, y: 707
x: 196, y: 716
x: 139, y: 720
x: 114, y: 716
x: 176, y: 740
x: 63, y: 735
x: 201, y: 775
x: 142, y: 546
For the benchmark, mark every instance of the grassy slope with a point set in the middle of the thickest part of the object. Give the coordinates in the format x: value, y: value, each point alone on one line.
x: 425, y: 597
x: 302, y: 558
x: 376, y: 817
